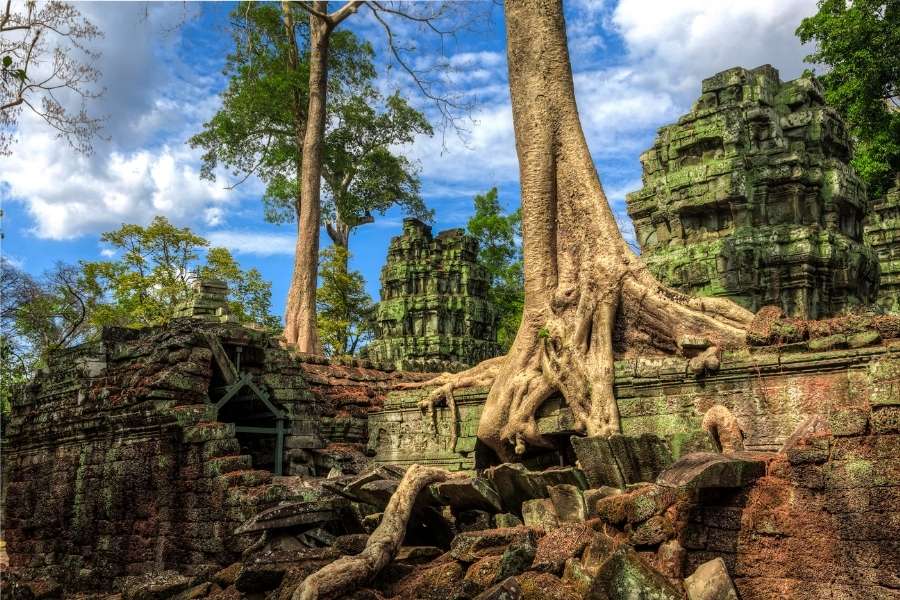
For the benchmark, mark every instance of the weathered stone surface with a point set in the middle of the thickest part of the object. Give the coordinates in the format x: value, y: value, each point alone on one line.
x: 544, y: 586
x: 751, y: 196
x: 564, y: 542
x: 514, y: 486
x: 517, y: 557
x: 507, y: 520
x: 704, y: 470
x: 882, y: 233
x: 294, y: 514
x: 154, y: 586
x: 434, y: 314
x: 508, y: 589
x: 635, y: 506
x: 473, y: 520
x: 540, y: 514
x: 710, y: 582
x: 618, y: 460
x: 651, y: 532
x: 625, y: 576
x: 568, y: 503
x: 472, y: 493
x: 469, y: 546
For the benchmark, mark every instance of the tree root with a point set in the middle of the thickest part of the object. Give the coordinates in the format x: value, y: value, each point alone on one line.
x: 724, y: 427
x: 349, y: 572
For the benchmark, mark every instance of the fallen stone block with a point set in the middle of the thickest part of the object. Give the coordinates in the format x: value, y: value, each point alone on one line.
x: 154, y: 586
x: 710, y: 582
x: 626, y: 575
x: 507, y: 520
x: 568, y: 503
x: 470, y: 546
x: 473, y: 520
x: 513, y: 485
x: 294, y: 514
x: 568, y: 540
x: 703, y: 470
x: 505, y: 590
x: 467, y: 494
x: 651, y: 532
x: 597, y: 461
x: 517, y: 557
x: 540, y: 514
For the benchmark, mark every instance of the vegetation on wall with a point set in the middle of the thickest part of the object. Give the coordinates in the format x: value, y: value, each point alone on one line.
x: 859, y: 43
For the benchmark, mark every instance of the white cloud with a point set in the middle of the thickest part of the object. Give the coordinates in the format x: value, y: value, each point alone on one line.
x: 254, y: 242
x: 143, y: 167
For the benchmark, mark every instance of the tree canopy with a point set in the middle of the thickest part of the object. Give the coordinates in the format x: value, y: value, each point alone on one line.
x: 859, y: 42
x: 499, y: 251
x: 154, y: 271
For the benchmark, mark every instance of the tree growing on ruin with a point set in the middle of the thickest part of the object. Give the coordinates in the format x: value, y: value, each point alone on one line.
x: 40, y: 314
x: 46, y: 67
x: 584, y: 287
x: 500, y: 252
x: 859, y: 42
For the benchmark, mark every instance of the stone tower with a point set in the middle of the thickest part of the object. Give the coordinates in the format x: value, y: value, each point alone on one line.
x: 434, y: 314
x: 883, y: 234
x: 750, y: 196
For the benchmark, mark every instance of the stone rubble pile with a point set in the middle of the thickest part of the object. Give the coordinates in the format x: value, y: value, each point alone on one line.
x: 598, y: 532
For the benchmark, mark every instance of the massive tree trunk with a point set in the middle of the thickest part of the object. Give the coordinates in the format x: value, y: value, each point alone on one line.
x: 579, y: 272
x: 580, y: 277
x: 300, y: 313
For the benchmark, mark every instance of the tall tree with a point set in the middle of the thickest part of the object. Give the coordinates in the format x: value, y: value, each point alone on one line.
x: 859, y: 41
x: 344, y: 309
x: 499, y: 251
x: 361, y: 173
x: 262, y: 125
x: 45, y: 62
x: 154, y: 272
x: 300, y: 313
x: 580, y: 276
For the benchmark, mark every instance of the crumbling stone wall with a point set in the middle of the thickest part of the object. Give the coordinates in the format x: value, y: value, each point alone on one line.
x: 434, y: 314
x: 769, y: 392
x: 115, y: 464
x: 883, y: 235
x: 750, y: 196
x: 824, y: 521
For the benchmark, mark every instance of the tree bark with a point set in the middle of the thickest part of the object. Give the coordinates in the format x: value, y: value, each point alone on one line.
x: 580, y: 274
x: 300, y: 314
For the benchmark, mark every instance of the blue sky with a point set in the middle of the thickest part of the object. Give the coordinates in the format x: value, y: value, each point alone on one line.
x: 638, y: 65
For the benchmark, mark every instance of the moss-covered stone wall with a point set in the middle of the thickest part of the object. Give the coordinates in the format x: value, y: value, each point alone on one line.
x: 434, y: 314
x: 883, y: 235
x: 770, y: 394
x: 751, y: 196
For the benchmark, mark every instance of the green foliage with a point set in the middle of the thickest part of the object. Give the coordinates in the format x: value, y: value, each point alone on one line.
x: 39, y: 315
x: 361, y: 173
x: 343, y: 308
x: 500, y: 253
x: 259, y: 129
x: 860, y: 43
x: 154, y: 271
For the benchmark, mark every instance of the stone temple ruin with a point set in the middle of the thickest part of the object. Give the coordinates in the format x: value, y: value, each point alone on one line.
x: 201, y: 459
x: 434, y: 314
x: 750, y: 196
x: 882, y: 232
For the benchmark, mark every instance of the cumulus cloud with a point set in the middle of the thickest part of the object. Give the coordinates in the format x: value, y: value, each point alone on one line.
x: 254, y: 242
x: 141, y: 167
